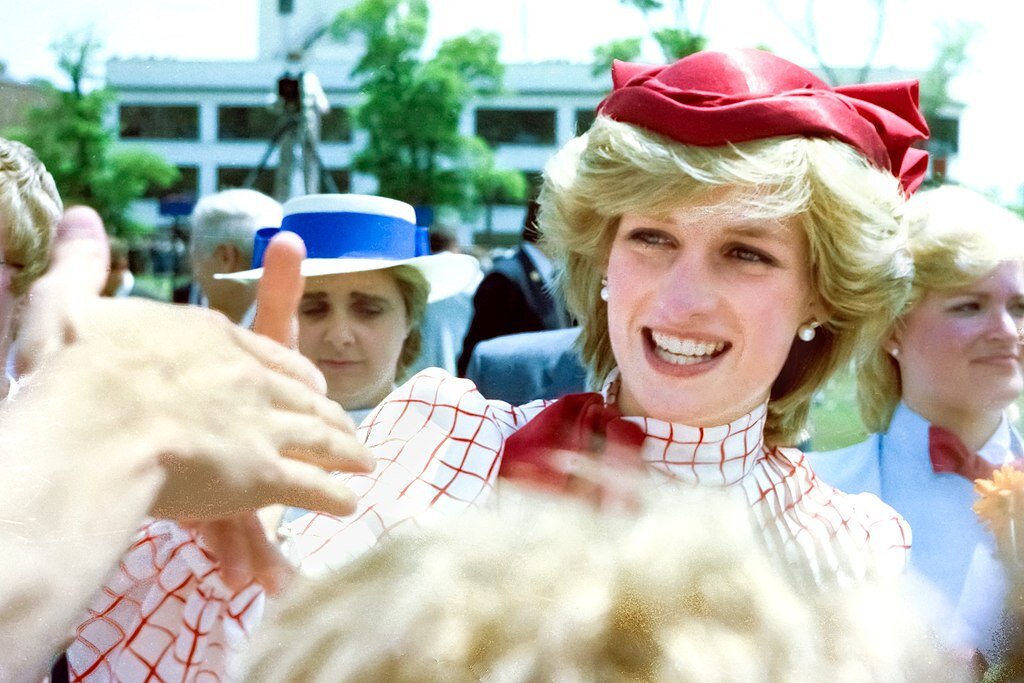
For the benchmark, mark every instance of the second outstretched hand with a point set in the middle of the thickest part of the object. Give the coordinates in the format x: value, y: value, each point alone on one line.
x: 240, y: 542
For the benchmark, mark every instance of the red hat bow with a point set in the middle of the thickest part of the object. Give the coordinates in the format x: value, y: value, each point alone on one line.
x: 715, y: 98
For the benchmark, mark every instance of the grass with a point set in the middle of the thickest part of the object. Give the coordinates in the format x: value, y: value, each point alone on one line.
x: 835, y: 420
x: 160, y: 284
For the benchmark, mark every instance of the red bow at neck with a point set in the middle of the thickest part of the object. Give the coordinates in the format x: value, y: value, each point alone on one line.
x: 949, y: 455
x: 545, y: 453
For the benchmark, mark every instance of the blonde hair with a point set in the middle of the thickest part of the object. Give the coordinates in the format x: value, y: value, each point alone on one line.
x: 415, y: 291
x: 850, y: 211
x: 543, y: 589
x: 957, y: 237
x: 31, y: 207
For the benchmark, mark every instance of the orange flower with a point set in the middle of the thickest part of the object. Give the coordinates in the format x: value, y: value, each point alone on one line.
x: 1001, y: 506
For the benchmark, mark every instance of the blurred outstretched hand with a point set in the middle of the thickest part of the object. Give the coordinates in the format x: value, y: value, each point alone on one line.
x: 79, y: 264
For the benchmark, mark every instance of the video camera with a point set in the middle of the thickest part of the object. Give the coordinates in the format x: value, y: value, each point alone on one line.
x: 289, y: 90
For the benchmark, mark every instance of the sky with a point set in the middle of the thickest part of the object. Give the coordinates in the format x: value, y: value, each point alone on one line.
x: 536, y: 30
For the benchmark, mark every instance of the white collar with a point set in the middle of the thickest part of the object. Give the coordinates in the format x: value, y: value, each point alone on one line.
x: 127, y: 283
x: 1003, y: 446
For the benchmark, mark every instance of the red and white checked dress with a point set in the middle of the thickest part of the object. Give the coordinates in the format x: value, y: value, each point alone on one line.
x: 166, y: 612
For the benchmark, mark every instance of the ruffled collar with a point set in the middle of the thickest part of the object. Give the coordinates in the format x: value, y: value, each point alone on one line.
x: 708, y: 456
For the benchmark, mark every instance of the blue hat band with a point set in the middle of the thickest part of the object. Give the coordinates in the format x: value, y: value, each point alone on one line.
x: 339, y: 234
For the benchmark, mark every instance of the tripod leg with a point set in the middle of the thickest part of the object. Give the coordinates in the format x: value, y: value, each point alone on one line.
x: 312, y: 166
x: 285, y: 166
x: 322, y: 176
x: 275, y: 139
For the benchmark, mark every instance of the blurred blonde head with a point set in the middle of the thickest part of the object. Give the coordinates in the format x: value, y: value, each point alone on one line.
x: 550, y: 589
x: 31, y: 208
x: 851, y: 213
x: 957, y: 237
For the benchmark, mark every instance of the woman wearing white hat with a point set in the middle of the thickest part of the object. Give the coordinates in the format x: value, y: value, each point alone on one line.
x: 369, y: 277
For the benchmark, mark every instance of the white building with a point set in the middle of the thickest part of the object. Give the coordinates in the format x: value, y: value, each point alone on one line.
x: 214, y: 120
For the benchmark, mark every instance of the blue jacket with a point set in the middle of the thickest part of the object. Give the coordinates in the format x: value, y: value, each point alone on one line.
x: 951, y: 549
x: 519, y: 368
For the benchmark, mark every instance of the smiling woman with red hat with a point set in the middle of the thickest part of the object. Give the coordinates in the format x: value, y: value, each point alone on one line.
x: 730, y: 232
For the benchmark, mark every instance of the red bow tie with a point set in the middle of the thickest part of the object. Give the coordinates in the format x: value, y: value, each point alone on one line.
x: 949, y: 455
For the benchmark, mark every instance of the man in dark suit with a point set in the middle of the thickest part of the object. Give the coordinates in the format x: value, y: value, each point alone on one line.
x: 516, y: 295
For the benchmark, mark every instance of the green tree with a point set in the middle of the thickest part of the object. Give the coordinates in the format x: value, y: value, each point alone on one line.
x: 624, y: 49
x: 412, y: 107
x: 69, y: 135
x: 675, y: 42
x: 940, y: 111
x: 949, y: 60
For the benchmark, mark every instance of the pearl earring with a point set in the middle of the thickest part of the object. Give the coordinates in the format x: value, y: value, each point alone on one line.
x: 894, y: 352
x: 604, y: 289
x: 807, y: 332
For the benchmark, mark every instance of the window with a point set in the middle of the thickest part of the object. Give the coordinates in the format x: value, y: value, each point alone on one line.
x: 187, y: 185
x: 246, y: 123
x: 534, y: 179
x: 260, y: 123
x: 584, y: 120
x: 335, y: 127
x: 516, y: 126
x: 341, y: 178
x: 945, y: 134
x: 235, y: 176
x: 159, y: 122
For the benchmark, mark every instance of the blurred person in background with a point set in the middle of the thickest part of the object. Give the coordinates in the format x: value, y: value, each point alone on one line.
x: 516, y: 295
x: 936, y: 393
x: 446, y: 320
x: 223, y: 227
x: 121, y: 281
x: 518, y: 368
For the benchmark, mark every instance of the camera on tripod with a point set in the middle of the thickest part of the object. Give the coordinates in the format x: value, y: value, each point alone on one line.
x: 301, y: 102
x: 289, y: 91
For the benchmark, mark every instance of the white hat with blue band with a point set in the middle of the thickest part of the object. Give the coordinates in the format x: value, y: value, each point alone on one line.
x: 350, y: 233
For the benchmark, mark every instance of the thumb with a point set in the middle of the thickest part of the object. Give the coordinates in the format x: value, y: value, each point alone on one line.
x: 280, y: 289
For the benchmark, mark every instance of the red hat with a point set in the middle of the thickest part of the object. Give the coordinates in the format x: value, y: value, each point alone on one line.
x: 714, y: 98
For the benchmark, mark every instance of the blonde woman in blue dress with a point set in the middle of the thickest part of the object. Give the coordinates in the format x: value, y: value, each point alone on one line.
x: 937, y: 392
